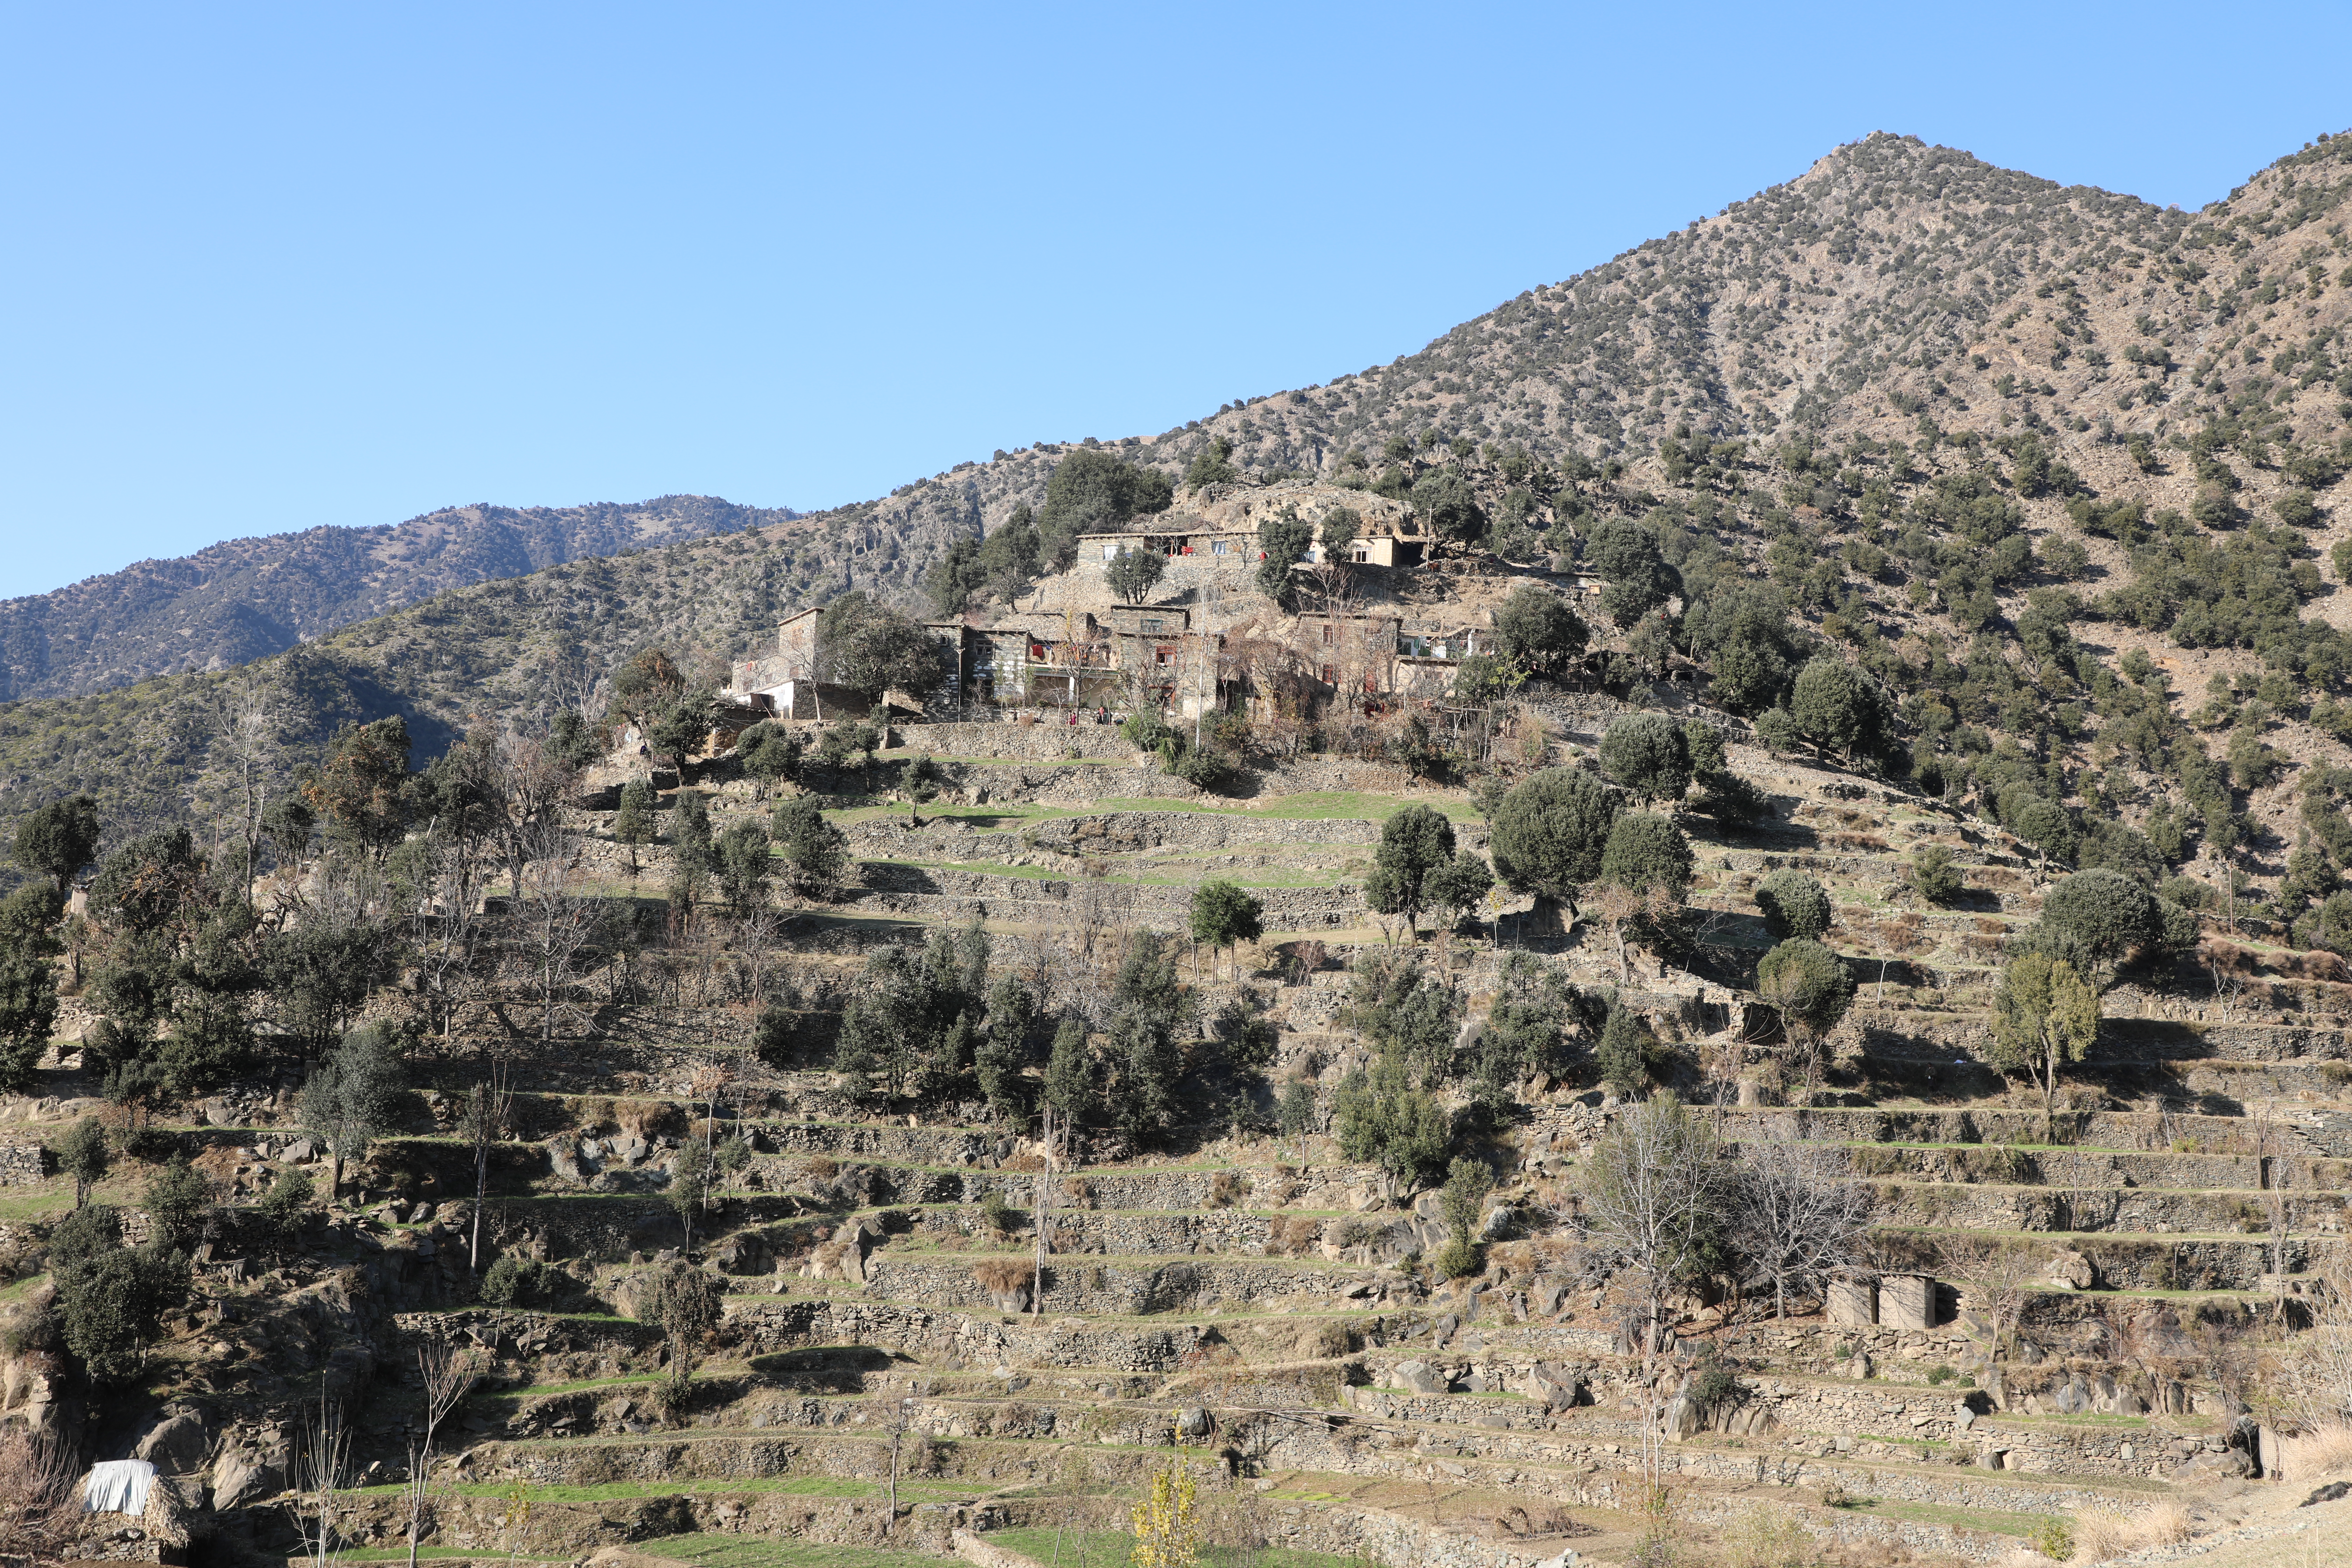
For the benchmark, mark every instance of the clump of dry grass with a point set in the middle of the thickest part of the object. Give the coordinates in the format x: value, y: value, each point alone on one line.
x: 2324, y: 1450
x: 1325, y: 1341
x: 647, y: 1118
x: 2100, y: 1535
x: 2168, y: 1523
x: 1295, y: 1236
x: 1002, y: 1274
x: 36, y: 1479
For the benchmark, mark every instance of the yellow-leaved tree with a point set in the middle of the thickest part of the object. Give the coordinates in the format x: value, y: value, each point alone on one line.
x: 2046, y: 1015
x: 1167, y: 1522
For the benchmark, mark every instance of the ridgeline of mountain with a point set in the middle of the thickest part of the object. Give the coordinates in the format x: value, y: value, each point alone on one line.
x: 1907, y: 387
x: 245, y: 599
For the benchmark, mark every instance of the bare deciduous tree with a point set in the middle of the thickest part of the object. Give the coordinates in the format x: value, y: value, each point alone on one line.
x: 321, y: 1473
x: 1796, y: 1216
x: 445, y: 1375
x: 532, y: 781
x: 1654, y: 1200
x: 2274, y: 1148
x: 449, y: 930
x: 488, y: 1109
x: 248, y: 724
x: 549, y: 923
x: 2313, y: 1371
x: 1996, y: 1278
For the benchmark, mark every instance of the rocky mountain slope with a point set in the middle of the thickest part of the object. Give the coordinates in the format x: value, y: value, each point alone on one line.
x: 247, y: 599
x: 1907, y: 387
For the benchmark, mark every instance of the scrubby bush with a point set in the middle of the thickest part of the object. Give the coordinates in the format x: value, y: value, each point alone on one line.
x: 515, y: 1281
x: 286, y: 1205
x: 1792, y: 904
x: 1933, y: 874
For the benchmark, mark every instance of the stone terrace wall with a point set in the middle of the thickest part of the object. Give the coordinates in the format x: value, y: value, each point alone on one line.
x: 1040, y: 743
x: 964, y: 895
x: 765, y: 1324
x: 1116, y: 1289
x: 23, y: 1164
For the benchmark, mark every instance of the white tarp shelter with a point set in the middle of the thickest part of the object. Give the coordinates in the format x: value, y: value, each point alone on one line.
x: 118, y: 1486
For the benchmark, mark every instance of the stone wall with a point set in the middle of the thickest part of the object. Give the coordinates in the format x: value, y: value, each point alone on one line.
x: 1078, y: 1232
x: 2090, y: 1168
x: 2128, y: 1210
x: 958, y: 1339
x: 945, y: 895
x: 2106, y: 1130
x: 23, y: 1163
x: 1109, y: 832
x: 1125, y: 1288
x: 1039, y: 743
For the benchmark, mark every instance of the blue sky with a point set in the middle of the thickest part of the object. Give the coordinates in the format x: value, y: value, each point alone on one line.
x: 272, y: 267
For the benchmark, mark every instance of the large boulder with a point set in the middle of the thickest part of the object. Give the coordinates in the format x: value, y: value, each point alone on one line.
x: 1417, y: 1377
x: 2071, y: 1270
x: 239, y: 1477
x: 177, y: 1444
x: 741, y: 1255
x: 1553, y: 1387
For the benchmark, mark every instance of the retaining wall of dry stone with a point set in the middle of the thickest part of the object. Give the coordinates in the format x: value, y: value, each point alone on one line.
x: 942, y: 895
x: 23, y: 1164
x: 2133, y: 1211
x: 958, y: 1338
x: 1106, y: 1289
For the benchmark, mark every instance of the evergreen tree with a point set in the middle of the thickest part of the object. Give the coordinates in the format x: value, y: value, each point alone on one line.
x: 1647, y: 754
x: 815, y: 852
x: 1149, y: 1008
x: 1792, y: 904
x: 84, y: 1154
x: 1538, y: 632
x: 744, y: 864
x: 1384, y: 1121
x: 1647, y: 852
x: 1283, y: 537
x: 1135, y: 573
x: 1072, y: 1085
x: 1414, y: 844
x: 1809, y: 986
x: 1003, y: 1051
x: 1622, y: 1055
x: 632, y: 825
x: 1550, y: 829
x: 28, y: 984
x: 1225, y: 916
x: 354, y: 1096
x: 1839, y: 709
x: 111, y: 1297
x: 57, y: 840
x: 768, y: 752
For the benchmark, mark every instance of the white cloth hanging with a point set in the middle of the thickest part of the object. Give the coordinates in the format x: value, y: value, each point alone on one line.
x: 118, y: 1486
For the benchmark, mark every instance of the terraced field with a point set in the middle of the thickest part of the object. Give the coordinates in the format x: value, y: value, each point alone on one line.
x: 1256, y: 1308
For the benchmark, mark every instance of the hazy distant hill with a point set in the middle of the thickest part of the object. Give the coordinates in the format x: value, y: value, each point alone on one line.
x: 247, y: 599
